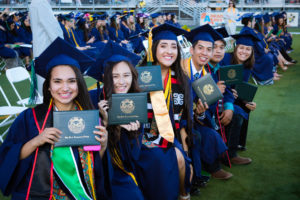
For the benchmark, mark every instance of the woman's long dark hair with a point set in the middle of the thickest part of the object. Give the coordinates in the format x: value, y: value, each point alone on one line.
x: 183, y: 79
x: 113, y: 23
x: 102, y: 30
x: 139, y: 22
x: 83, y: 96
x: 85, y: 30
x: 248, y: 64
x: 115, y: 130
x: 245, y: 21
x: 27, y: 28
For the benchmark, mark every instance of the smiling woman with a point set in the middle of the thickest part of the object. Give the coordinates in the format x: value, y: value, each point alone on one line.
x: 28, y: 151
x: 165, y: 166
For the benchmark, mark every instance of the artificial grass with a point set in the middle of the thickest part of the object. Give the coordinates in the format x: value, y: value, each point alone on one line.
x: 273, y: 144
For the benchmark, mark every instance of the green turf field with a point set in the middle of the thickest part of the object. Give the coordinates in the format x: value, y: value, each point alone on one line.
x: 273, y: 143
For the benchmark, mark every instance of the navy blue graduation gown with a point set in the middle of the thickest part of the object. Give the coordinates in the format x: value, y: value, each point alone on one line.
x: 97, y: 35
x: 116, y: 36
x: 5, y: 52
x: 123, y: 185
x: 15, y: 173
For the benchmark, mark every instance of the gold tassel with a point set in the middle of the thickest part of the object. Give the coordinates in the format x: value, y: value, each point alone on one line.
x: 149, y: 54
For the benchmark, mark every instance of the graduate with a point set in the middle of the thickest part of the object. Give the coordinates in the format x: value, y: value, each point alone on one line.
x: 264, y: 61
x: 6, y: 51
x: 155, y: 20
x: 115, y: 32
x: 100, y: 30
x: 82, y: 31
x: 124, y: 141
x: 174, y: 20
x: 211, y: 147
x: 243, y: 54
x: 25, y: 36
x: 13, y: 36
x: 163, y: 164
x: 275, y: 42
x: 140, y: 24
x: 30, y: 167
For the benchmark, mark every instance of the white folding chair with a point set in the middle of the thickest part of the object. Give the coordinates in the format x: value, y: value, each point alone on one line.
x: 18, y: 74
x: 9, y: 113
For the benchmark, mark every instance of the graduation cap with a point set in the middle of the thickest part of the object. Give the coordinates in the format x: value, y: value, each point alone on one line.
x: 266, y: 18
x: 141, y: 15
x: 258, y: 18
x: 274, y: 14
x: 113, y: 17
x: 68, y: 16
x: 204, y: 33
x: 283, y: 13
x: 246, y: 16
x: 112, y: 52
x: 80, y: 22
x: 59, y: 52
x: 222, y: 31
x: 278, y: 16
x: 165, y: 32
x: 246, y: 38
x: 155, y: 15
x: 99, y: 17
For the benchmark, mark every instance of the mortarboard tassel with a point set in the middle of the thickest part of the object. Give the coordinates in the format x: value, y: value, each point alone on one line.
x: 149, y: 54
x: 33, y: 85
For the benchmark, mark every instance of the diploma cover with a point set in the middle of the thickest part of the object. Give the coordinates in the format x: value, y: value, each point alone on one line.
x: 77, y: 127
x: 150, y: 78
x: 207, y: 89
x: 246, y: 91
x: 231, y: 74
x: 126, y: 108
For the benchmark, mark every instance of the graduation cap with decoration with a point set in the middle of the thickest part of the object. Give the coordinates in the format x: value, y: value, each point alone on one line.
x: 142, y: 15
x: 111, y: 52
x: 59, y: 52
x: 246, y: 38
x: 203, y: 33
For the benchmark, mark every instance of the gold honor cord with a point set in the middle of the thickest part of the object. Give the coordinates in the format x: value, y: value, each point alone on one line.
x: 117, y: 160
x: 149, y: 53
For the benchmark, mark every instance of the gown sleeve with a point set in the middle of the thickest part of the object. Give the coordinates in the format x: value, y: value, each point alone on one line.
x: 13, y: 171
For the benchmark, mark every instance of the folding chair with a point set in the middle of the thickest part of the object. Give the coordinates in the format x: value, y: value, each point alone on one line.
x: 10, y: 112
x: 2, y: 64
x: 18, y: 74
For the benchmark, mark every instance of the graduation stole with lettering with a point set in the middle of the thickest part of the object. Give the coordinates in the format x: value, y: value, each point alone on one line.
x: 158, y: 101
